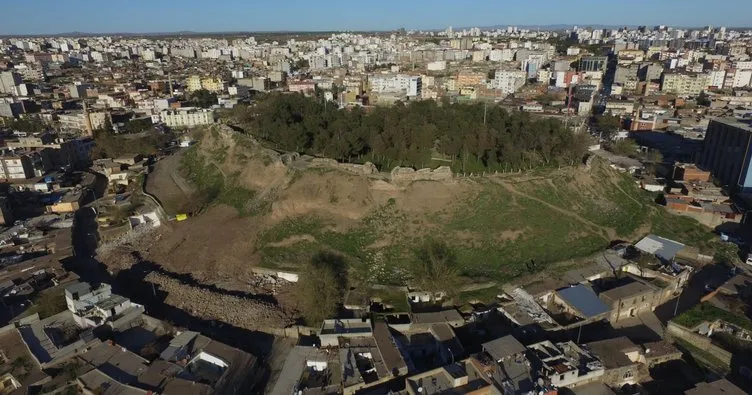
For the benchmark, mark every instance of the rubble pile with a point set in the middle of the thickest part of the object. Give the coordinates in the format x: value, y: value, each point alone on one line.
x: 234, y: 310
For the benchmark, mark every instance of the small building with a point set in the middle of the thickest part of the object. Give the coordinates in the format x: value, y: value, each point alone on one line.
x: 564, y: 364
x: 332, y: 330
x: 620, y: 358
x: 631, y: 299
x: 581, y: 302
x: 462, y: 377
x: 661, y: 247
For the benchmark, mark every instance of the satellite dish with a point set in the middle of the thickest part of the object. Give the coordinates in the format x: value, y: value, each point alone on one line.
x: 420, y: 390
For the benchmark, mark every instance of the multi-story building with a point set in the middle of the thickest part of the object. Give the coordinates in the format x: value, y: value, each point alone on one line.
x: 684, y: 84
x: 17, y: 167
x: 509, y: 81
x: 469, y: 79
x: 593, y: 63
x: 8, y: 82
x: 187, y: 117
x: 77, y: 121
x: 193, y: 83
x: 727, y: 153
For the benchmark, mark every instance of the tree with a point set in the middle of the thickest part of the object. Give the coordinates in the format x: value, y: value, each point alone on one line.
x: 727, y: 254
x: 703, y: 99
x: 203, y: 98
x: 607, y: 124
x: 624, y: 147
x: 321, y: 287
x: 435, y: 268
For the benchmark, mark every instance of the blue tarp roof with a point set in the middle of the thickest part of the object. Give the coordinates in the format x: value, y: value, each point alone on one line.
x: 584, y: 300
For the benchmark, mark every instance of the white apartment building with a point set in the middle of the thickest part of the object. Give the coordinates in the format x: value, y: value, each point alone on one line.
x: 187, y: 117
x: 742, y: 78
x: 396, y: 83
x: 717, y: 77
x: 509, y: 81
x: 414, y: 87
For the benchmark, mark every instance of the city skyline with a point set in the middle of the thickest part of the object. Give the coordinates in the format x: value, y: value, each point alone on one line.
x: 140, y: 16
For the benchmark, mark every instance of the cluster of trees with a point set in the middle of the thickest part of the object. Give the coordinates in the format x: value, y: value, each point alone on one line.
x: 472, y: 137
x: 203, y: 98
x: 107, y: 144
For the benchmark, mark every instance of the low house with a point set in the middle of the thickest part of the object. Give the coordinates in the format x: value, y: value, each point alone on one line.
x: 631, y: 299
x: 504, y: 360
x: 462, y: 377
x: 659, y: 352
x: 422, y: 322
x: 564, y: 364
x: 332, y: 330
x: 661, y: 247
x: 448, y: 347
x: 620, y: 358
x: 577, y: 304
x: 308, y: 368
x: 721, y: 386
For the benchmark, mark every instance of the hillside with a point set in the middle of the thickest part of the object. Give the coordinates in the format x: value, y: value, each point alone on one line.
x: 257, y: 211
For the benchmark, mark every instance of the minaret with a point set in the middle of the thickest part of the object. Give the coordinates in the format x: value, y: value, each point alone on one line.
x: 87, y: 121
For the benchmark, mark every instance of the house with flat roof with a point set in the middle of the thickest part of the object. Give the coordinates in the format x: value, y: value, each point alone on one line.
x: 461, y: 377
x: 620, y: 358
x: 577, y: 305
x: 564, y: 364
x: 505, y: 361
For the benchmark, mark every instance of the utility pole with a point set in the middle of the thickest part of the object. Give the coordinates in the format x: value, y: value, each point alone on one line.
x: 485, y: 110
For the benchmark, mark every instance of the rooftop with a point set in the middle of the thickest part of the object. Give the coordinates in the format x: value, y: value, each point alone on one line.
x: 631, y: 289
x: 660, y: 247
x: 612, y: 352
x: 584, y: 300
x: 503, y: 347
x: 437, y: 317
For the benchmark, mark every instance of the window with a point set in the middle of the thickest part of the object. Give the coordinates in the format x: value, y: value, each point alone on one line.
x: 628, y: 374
x: 561, y: 378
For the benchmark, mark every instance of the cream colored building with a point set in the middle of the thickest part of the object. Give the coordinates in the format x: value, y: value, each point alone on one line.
x: 684, y: 84
x: 195, y: 83
x: 187, y: 117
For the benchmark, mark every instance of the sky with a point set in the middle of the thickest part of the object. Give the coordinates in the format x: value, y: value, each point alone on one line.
x: 148, y: 16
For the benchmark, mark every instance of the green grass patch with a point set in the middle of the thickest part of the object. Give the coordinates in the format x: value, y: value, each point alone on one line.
x: 703, y: 312
x: 483, y: 295
x: 704, y: 358
x: 47, y: 303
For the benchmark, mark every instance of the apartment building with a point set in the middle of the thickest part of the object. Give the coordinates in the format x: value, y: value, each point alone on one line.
x: 684, y: 84
x: 509, y: 81
x: 469, y: 79
x: 726, y: 152
x: 19, y: 167
x: 187, y: 117
x: 195, y: 83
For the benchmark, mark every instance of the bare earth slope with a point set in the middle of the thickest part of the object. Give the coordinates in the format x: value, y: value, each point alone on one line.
x: 496, y: 225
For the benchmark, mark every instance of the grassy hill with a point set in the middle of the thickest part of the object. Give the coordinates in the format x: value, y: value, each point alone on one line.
x: 499, y: 227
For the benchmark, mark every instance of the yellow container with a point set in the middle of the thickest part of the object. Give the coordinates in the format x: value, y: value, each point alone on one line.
x: 181, y: 217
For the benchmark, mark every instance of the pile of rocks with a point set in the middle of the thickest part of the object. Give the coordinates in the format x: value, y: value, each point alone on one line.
x: 203, y: 303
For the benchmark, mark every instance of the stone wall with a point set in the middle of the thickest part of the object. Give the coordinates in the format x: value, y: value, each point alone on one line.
x: 702, y: 342
x: 367, y: 168
x: 407, y: 174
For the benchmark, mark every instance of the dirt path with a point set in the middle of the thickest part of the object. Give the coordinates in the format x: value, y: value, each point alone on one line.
x: 608, y: 233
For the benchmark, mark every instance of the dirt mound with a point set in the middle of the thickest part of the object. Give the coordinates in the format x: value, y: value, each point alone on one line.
x: 203, y: 303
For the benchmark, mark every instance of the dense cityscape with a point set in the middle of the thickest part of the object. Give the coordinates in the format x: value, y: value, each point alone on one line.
x: 503, y: 210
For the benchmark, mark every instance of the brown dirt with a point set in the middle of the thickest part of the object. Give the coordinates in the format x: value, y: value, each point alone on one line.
x: 176, y: 193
